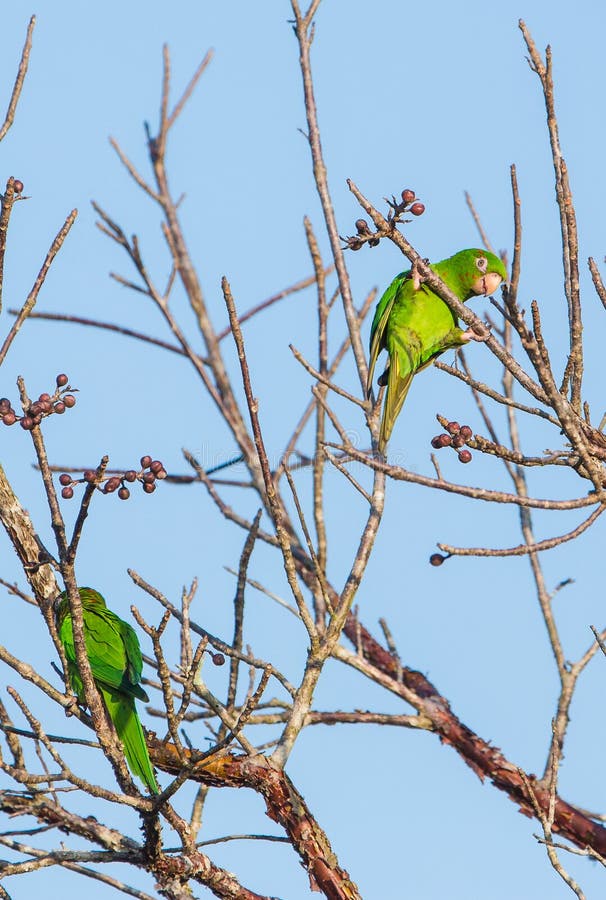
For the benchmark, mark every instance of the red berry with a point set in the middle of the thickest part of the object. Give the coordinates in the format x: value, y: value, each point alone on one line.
x: 65, y: 479
x: 458, y: 441
x: 161, y: 474
x: 436, y: 442
x: 9, y: 418
x: 5, y: 405
x: 218, y: 659
x: 465, y: 432
x: 146, y: 462
x: 149, y: 478
x: 18, y: 186
x: 27, y: 423
x: 89, y: 476
x: 417, y: 209
x: 155, y: 466
x: 149, y: 488
x: 362, y: 226
x: 67, y: 493
x: 59, y: 407
x: 69, y: 400
x: 124, y: 493
x: 62, y: 380
x: 407, y: 196
x: 41, y: 398
x: 453, y: 427
x: 111, y: 485
x: 436, y: 559
x: 445, y: 440
x: 131, y: 475
x: 464, y: 456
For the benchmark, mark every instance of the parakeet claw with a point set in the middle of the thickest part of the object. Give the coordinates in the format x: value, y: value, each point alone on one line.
x: 71, y: 708
x: 471, y: 335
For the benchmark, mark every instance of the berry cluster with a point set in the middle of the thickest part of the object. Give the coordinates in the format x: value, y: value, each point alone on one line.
x: 45, y: 405
x: 457, y: 436
x: 151, y: 471
x: 408, y: 203
x: 365, y: 235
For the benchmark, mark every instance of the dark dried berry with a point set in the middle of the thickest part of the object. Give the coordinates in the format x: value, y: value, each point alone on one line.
x: 67, y: 493
x: 407, y: 196
x: 465, y: 432
x: 362, y: 226
x: 26, y: 422
x: 149, y: 488
x: 124, y: 493
x: 65, y: 479
x: 218, y: 659
x: 464, y: 456
x: 146, y: 462
x: 130, y: 476
x: 453, y: 427
x: 436, y: 442
x: 111, y: 485
x: 59, y: 407
x: 436, y: 559
x: 149, y: 478
x: 155, y: 466
x: 69, y: 400
x: 18, y: 186
x: 417, y: 209
x: 89, y: 476
x: 458, y: 441
x: 9, y: 418
x: 61, y: 380
x: 445, y: 440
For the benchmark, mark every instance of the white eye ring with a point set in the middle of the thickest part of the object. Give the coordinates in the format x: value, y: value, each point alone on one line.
x: 481, y: 263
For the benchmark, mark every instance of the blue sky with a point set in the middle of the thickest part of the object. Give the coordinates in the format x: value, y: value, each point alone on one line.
x: 433, y: 96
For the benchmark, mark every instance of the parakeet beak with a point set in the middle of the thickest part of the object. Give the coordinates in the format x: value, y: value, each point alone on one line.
x: 486, y: 284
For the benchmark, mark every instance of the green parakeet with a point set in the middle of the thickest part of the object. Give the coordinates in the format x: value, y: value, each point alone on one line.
x: 414, y: 325
x: 115, y: 659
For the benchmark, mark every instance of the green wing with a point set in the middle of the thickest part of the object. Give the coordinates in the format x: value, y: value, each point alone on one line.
x: 379, y: 324
x: 113, y: 650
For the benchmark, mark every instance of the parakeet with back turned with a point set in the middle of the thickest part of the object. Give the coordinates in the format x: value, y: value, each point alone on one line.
x: 113, y: 650
x: 414, y: 325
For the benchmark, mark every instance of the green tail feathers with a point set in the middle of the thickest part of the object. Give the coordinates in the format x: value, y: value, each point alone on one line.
x: 123, y: 713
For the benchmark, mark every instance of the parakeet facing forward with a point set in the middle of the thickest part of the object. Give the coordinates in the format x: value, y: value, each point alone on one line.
x: 114, y: 654
x: 414, y: 325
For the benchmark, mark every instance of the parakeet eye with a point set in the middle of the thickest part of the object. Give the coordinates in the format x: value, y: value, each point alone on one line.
x: 481, y: 263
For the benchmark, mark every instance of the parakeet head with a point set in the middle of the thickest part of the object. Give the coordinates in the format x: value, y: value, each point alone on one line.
x: 472, y: 272
x: 89, y: 596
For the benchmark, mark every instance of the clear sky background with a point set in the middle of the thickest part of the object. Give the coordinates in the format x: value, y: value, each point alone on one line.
x: 433, y: 96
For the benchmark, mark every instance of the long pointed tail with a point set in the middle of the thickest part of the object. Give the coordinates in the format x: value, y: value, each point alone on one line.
x: 399, y: 378
x: 122, y: 710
